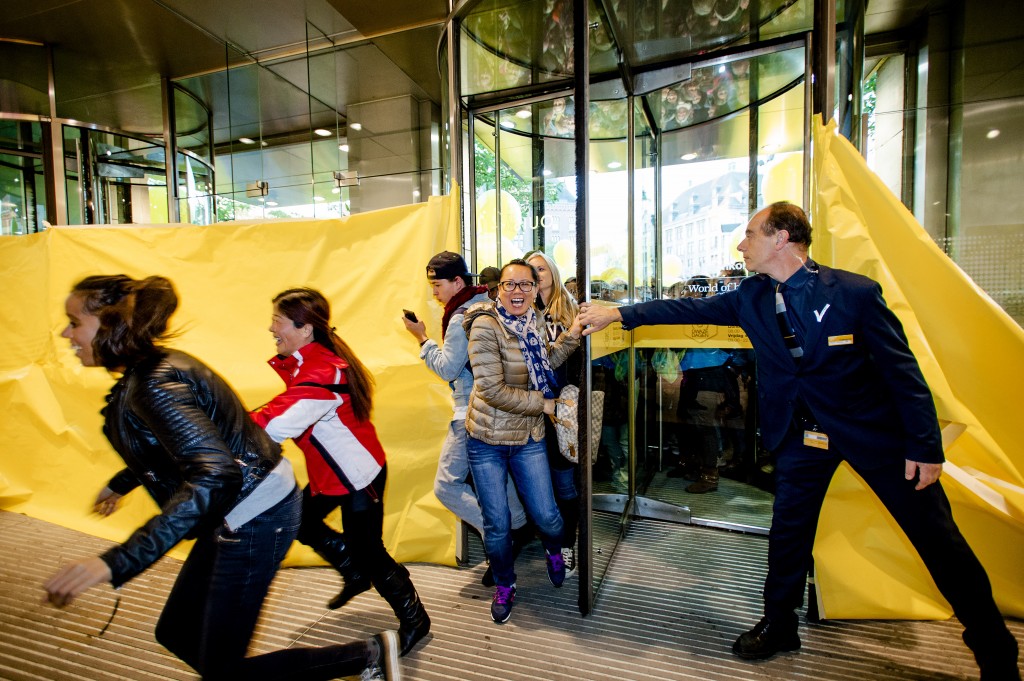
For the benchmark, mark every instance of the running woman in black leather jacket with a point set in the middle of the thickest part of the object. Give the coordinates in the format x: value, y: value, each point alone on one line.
x: 186, y: 437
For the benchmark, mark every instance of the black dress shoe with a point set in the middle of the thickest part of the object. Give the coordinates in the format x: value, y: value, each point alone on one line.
x: 766, y: 639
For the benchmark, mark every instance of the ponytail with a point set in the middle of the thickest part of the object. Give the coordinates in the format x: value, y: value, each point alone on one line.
x: 133, y: 316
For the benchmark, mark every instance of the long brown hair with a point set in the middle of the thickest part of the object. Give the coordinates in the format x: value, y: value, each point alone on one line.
x: 308, y: 306
x: 133, y: 316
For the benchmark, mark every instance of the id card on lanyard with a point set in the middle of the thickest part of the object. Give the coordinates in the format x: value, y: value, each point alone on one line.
x: 813, y: 438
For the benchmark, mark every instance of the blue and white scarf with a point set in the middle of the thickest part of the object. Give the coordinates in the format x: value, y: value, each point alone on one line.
x: 542, y: 377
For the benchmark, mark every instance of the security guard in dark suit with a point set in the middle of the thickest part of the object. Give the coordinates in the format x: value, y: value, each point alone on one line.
x: 836, y: 381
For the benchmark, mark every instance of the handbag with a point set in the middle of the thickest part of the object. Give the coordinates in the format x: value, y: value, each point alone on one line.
x: 567, y: 428
x: 566, y: 422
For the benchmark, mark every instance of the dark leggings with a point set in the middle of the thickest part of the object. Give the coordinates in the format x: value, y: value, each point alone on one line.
x: 362, y: 515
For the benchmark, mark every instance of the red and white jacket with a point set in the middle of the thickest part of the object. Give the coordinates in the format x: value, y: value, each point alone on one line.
x: 343, y: 454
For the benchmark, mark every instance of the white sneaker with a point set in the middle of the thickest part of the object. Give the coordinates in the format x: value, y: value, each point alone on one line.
x: 386, y: 666
x: 569, y: 558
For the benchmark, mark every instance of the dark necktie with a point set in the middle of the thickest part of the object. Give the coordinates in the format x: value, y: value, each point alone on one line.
x: 784, y: 326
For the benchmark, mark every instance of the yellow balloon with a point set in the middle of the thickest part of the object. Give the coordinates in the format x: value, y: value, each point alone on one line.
x: 487, y: 213
x: 613, y: 273
x: 564, y: 255
x: 671, y: 269
x: 734, y: 238
x: 783, y: 180
x: 487, y: 250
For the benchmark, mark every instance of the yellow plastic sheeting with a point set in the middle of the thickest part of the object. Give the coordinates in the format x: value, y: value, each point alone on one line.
x: 971, y: 353
x: 53, y: 455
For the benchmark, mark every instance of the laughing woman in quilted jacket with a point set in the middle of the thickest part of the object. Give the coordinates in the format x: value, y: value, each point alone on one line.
x: 186, y: 437
x: 513, y: 388
x: 325, y: 409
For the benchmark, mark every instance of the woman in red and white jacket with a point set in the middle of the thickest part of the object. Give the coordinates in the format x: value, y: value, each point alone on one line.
x: 325, y: 409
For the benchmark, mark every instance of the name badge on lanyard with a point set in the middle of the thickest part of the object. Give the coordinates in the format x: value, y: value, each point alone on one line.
x: 813, y: 438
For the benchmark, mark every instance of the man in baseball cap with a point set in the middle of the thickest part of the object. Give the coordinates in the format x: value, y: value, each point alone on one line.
x: 452, y: 285
x: 489, y: 277
x: 449, y: 265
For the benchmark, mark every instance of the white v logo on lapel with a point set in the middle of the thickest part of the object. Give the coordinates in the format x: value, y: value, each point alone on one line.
x: 821, y: 315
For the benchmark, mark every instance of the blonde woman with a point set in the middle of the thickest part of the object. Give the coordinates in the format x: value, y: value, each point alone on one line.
x: 557, y: 308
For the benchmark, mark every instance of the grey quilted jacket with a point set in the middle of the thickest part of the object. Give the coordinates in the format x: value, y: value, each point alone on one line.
x: 502, y: 408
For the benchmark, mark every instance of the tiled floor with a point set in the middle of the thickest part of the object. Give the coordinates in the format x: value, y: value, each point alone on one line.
x: 673, y: 600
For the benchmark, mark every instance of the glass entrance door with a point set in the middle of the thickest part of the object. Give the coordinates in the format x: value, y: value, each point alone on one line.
x: 698, y: 456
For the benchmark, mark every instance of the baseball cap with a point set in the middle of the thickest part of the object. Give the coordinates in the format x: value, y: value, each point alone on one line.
x: 447, y: 265
x: 489, y: 276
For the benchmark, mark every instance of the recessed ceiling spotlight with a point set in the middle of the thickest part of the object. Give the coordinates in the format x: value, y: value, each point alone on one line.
x: 318, y: 199
x: 524, y: 113
x: 343, y: 147
x: 271, y: 203
x: 689, y: 157
x: 323, y: 132
x: 336, y: 190
x: 614, y: 164
x: 356, y: 126
x: 992, y: 134
x: 246, y: 140
x: 546, y: 173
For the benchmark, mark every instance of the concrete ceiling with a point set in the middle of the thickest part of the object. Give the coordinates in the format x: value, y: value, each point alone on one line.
x: 109, y: 55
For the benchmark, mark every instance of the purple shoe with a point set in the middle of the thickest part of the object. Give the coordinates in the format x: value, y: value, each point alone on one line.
x: 556, y: 568
x: 501, y: 606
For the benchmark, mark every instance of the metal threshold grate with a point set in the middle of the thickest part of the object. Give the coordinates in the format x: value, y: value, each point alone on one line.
x: 673, y: 600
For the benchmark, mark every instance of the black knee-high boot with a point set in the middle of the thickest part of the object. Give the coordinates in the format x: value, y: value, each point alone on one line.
x: 397, y: 589
x: 334, y: 550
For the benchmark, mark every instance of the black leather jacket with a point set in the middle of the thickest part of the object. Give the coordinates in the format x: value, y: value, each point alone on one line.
x: 186, y: 437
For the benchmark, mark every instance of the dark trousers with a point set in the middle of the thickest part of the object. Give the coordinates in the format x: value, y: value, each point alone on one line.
x: 213, y: 607
x: 362, y: 514
x: 802, y: 478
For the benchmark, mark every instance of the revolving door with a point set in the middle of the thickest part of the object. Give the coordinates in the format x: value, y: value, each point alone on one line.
x: 693, y: 116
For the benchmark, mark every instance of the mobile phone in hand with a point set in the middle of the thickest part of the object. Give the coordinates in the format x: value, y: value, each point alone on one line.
x: 410, y: 315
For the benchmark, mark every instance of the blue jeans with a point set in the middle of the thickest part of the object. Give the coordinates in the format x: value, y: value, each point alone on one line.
x: 452, y: 487
x: 212, y: 609
x: 528, y: 465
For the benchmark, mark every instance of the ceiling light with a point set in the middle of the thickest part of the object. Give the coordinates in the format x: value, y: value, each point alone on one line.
x: 689, y: 157
x: 323, y: 132
x: 246, y: 140
x: 506, y: 123
x: 415, y: 193
x: 524, y: 113
x: 614, y: 164
x: 546, y: 173
x: 318, y: 198
x: 343, y: 147
x: 336, y: 190
x: 356, y: 126
x: 992, y: 134
x: 271, y: 203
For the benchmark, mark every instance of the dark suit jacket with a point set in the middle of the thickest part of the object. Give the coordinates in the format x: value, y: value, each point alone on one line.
x: 868, y: 395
